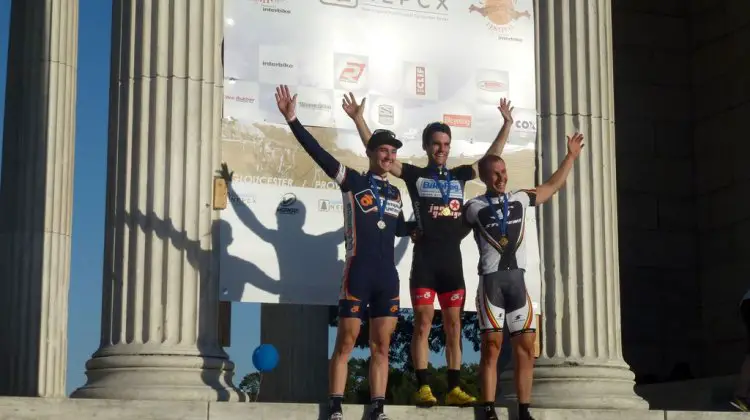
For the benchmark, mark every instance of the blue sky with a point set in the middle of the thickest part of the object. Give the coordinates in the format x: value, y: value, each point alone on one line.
x: 88, y: 207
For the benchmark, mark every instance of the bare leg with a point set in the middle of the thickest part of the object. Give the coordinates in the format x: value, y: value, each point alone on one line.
x: 523, y: 357
x: 452, y: 328
x: 423, y: 315
x: 490, y: 351
x: 381, y: 330
x: 346, y: 336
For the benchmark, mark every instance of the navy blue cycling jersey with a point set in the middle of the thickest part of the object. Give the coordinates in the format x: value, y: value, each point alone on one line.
x: 361, y: 212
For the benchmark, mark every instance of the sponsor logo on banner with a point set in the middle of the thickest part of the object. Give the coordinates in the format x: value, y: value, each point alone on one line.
x: 265, y: 180
x: 285, y: 206
x: 525, y: 125
x: 421, y: 88
x: 330, y: 205
x: 500, y: 17
x: 492, y: 85
x: 342, y: 3
x: 240, y: 99
x: 314, y: 106
x: 405, y: 8
x: 455, y: 120
x: 274, y: 6
x: 277, y: 64
x: 352, y: 71
x: 386, y: 114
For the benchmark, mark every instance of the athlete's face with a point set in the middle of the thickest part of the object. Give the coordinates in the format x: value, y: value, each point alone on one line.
x: 382, y: 158
x: 496, y: 177
x: 439, y: 147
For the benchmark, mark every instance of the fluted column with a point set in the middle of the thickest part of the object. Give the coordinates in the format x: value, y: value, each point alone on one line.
x: 160, y: 295
x: 581, y: 365
x: 36, y: 197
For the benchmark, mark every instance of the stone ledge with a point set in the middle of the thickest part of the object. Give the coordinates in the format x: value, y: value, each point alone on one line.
x: 83, y: 409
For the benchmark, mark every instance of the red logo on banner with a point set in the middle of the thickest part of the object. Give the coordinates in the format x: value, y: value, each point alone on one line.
x: 421, y: 84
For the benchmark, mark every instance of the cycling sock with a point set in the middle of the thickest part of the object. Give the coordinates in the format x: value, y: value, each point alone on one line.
x: 421, y: 377
x: 523, y: 411
x: 377, y: 404
x: 334, y: 403
x: 489, y: 411
x: 454, y: 376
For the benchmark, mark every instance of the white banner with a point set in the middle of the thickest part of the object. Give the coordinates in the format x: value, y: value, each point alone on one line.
x: 416, y: 61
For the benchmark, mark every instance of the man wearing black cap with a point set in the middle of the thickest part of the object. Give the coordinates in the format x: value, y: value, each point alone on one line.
x: 437, y: 195
x: 372, y: 218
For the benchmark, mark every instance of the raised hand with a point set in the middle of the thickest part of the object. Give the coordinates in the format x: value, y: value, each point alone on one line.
x: 506, y: 110
x: 286, y: 102
x: 351, y: 107
x: 225, y: 173
x: 575, y: 144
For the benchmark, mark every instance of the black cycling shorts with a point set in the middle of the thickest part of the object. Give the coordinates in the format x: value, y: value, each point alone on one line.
x: 502, y: 298
x: 437, y: 270
x: 369, y: 286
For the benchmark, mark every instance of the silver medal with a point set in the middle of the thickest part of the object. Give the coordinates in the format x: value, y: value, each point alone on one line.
x: 381, y: 224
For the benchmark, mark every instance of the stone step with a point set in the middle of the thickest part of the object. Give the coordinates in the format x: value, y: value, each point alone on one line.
x: 81, y: 409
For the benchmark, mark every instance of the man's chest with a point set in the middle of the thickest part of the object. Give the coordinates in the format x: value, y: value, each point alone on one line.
x: 378, y: 199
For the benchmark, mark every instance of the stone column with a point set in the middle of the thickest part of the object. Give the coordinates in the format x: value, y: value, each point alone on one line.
x: 36, y: 197
x: 581, y: 365
x: 159, y: 339
x: 300, y: 334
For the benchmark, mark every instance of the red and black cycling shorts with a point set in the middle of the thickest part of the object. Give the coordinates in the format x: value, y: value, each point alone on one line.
x: 437, y: 271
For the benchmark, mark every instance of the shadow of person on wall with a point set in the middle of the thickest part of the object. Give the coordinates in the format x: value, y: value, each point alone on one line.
x: 218, y: 370
x: 310, y: 270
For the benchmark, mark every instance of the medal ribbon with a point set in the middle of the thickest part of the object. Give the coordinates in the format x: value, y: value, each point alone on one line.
x: 504, y: 222
x: 446, y: 193
x: 376, y: 192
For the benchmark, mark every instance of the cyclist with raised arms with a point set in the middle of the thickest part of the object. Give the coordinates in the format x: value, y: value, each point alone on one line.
x: 437, y: 196
x: 498, y: 220
x: 372, y: 218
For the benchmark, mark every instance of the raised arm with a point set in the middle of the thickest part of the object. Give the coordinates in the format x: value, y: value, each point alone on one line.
x: 330, y: 165
x: 545, y: 191
x: 497, y: 146
x: 356, y: 111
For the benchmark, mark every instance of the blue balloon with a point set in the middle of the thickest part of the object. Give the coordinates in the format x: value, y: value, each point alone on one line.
x: 265, y: 358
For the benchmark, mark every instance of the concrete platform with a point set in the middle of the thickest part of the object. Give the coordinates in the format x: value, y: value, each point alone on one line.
x: 12, y: 408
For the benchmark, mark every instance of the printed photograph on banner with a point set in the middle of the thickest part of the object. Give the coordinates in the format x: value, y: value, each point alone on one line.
x: 277, y: 64
x: 506, y: 20
x: 491, y: 86
x: 350, y: 72
x: 241, y: 101
x: 420, y: 81
x: 384, y: 113
x: 315, y: 106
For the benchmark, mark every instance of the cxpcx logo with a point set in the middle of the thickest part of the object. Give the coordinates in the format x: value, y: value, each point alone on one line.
x: 342, y: 3
x: 286, y: 204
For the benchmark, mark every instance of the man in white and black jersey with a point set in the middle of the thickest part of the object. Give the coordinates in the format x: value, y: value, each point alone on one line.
x: 498, y: 220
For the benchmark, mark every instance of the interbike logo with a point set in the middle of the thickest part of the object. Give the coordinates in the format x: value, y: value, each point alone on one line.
x: 455, y: 120
x: 421, y: 88
x: 285, y: 206
x: 314, y: 106
x: 386, y: 114
x: 278, y: 64
x: 240, y: 98
x: 492, y: 85
x: 501, y: 17
x: 273, y: 6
